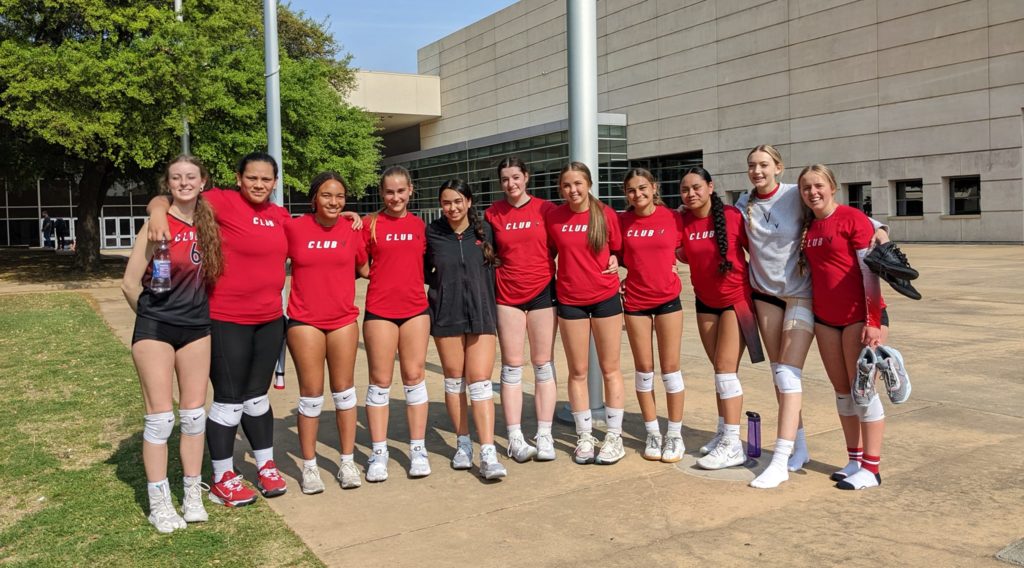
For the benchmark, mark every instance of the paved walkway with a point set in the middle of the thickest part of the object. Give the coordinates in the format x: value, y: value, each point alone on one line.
x: 952, y: 463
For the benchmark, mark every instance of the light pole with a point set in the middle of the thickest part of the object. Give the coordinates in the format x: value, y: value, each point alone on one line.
x: 184, y: 119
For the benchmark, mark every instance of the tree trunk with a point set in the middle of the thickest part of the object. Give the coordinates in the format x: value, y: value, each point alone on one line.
x: 92, y: 191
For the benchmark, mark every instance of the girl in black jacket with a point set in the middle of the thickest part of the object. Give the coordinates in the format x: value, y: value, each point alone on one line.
x: 459, y: 269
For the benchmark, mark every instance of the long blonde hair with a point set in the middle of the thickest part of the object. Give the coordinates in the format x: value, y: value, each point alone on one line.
x: 393, y: 171
x: 597, y: 229
x: 207, y: 230
x: 776, y: 157
x: 826, y: 172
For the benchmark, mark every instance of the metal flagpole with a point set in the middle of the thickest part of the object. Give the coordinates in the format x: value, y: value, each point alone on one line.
x: 184, y: 119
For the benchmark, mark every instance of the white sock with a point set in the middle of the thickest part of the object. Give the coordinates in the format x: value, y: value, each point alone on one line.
x: 263, y: 456
x: 544, y: 427
x: 220, y: 467
x: 584, y: 423
x: 192, y: 479
x: 800, y: 455
x: 380, y: 447
x: 513, y: 428
x: 347, y: 458
x: 309, y: 464
x: 675, y: 427
x: 613, y: 417
x: 777, y: 471
x: 731, y: 432
x: 158, y: 485
x: 418, y: 444
x: 652, y: 427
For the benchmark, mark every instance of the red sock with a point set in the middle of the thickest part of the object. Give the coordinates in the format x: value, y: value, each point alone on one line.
x: 870, y: 463
x: 856, y: 454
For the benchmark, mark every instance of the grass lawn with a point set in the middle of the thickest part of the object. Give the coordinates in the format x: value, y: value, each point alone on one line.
x: 73, y: 487
x: 44, y: 266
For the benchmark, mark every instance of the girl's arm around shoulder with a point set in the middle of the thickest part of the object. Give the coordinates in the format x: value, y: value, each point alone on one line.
x: 142, y: 253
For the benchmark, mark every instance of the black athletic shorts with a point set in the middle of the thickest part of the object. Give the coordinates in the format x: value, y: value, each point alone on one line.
x: 703, y: 308
x: 370, y: 316
x: 175, y: 335
x: 603, y: 309
x: 243, y: 358
x: 671, y: 306
x: 292, y: 322
x: 546, y: 298
x: 885, y: 321
x: 773, y: 300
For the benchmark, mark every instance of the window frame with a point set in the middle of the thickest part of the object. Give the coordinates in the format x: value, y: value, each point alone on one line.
x: 902, y: 186
x: 951, y: 188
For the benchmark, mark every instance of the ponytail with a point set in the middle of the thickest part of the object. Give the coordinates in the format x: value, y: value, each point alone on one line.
x: 597, y: 229
x: 721, y: 235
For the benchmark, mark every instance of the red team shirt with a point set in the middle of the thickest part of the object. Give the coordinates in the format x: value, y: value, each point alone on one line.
x: 700, y: 249
x: 254, y: 248
x: 396, y: 271
x: 649, y: 253
x: 527, y: 264
x: 580, y: 281
x: 324, y: 261
x: 831, y: 249
x: 185, y: 304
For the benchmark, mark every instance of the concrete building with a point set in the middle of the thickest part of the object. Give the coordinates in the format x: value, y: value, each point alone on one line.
x: 917, y: 104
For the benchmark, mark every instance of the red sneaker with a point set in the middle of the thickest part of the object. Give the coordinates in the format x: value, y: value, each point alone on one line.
x: 270, y: 482
x: 230, y: 491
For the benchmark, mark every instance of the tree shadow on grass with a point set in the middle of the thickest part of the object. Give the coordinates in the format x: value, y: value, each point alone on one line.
x: 44, y: 266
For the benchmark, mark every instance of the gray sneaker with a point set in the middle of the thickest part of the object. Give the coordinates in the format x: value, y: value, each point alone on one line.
x: 419, y: 464
x: 611, y: 450
x: 706, y: 448
x: 652, y: 448
x: 545, y: 447
x: 161, y: 511
x: 348, y: 475
x: 725, y: 454
x: 311, y: 482
x: 864, y: 384
x: 584, y: 452
x: 518, y: 449
x: 463, y: 458
x: 192, y: 509
x: 490, y: 467
x: 894, y: 373
x: 377, y: 466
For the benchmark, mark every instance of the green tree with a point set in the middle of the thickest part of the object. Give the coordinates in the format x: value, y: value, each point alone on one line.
x: 108, y: 83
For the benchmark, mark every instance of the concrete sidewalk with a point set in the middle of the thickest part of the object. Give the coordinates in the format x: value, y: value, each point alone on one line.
x: 952, y: 463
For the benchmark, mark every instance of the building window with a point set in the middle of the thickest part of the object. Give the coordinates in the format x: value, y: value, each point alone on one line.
x: 858, y: 195
x: 909, y: 198
x: 734, y: 195
x: 965, y: 195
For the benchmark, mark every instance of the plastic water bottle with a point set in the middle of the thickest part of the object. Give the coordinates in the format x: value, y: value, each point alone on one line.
x: 161, y: 281
x: 753, y: 434
x: 279, y: 369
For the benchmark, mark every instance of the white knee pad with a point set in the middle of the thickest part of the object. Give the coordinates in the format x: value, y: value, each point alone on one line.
x: 311, y: 406
x: 158, y: 427
x: 644, y: 381
x: 845, y: 405
x: 873, y: 412
x: 454, y: 385
x: 545, y: 372
x: 673, y: 382
x: 416, y: 394
x: 481, y: 390
x: 256, y: 406
x: 787, y: 378
x: 226, y: 414
x: 727, y: 385
x: 377, y: 396
x: 511, y: 375
x: 344, y: 400
x: 193, y: 421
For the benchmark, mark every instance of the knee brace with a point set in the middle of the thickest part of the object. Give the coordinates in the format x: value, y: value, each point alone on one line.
x: 798, y: 315
x: 673, y: 382
x: 193, y: 421
x: 344, y: 400
x: 873, y: 412
x: 377, y: 396
x: 727, y: 385
x: 226, y: 414
x: 256, y: 406
x: 644, y: 381
x: 158, y: 427
x: 845, y: 405
x: 545, y: 372
x: 416, y: 394
x: 511, y: 375
x: 311, y: 406
x: 787, y: 378
x: 454, y: 385
x: 480, y: 391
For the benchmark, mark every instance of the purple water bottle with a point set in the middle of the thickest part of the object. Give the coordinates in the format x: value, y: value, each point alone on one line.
x: 753, y: 434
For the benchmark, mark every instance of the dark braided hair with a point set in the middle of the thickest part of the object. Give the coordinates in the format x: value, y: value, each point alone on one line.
x: 477, y: 223
x: 718, y: 217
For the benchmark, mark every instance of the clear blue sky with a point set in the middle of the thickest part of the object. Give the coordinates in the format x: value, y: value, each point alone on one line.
x: 383, y: 35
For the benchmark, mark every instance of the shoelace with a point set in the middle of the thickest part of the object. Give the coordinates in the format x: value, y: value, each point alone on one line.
x: 270, y: 473
x: 195, y: 491
x: 233, y: 484
x: 722, y: 447
x: 899, y: 254
x: 672, y: 444
x: 652, y: 443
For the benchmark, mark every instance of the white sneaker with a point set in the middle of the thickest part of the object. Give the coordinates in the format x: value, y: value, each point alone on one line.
x: 161, y: 511
x: 545, y: 447
x: 518, y: 449
x: 490, y: 467
x: 584, y: 452
x: 192, y: 509
x: 611, y: 450
x: 377, y: 466
x: 463, y: 458
x: 652, y: 448
x: 419, y: 464
x: 311, y: 482
x: 348, y: 475
x: 673, y: 449
x: 725, y: 454
x: 712, y: 443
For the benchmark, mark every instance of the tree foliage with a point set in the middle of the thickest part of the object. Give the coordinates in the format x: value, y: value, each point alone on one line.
x: 108, y: 83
